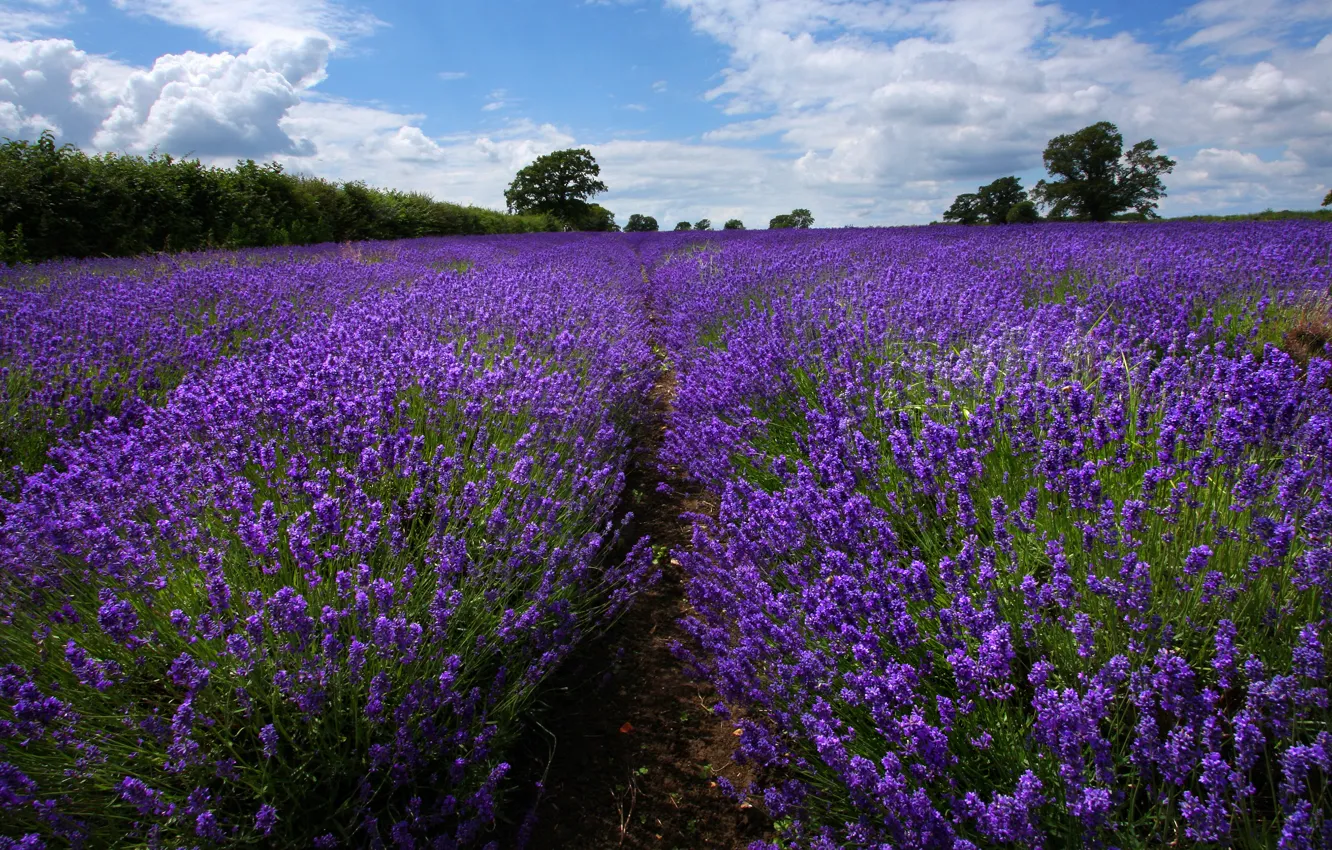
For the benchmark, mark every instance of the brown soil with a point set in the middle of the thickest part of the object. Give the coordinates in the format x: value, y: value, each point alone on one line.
x: 628, y: 748
x: 1311, y: 332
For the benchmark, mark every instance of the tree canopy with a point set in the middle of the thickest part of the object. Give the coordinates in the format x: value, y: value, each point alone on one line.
x: 733, y: 224
x: 1023, y: 212
x: 683, y: 225
x: 965, y: 209
x: 594, y: 218
x: 560, y: 184
x: 990, y: 203
x: 1092, y: 178
x: 1327, y: 199
x: 639, y: 223
x: 997, y: 198
x: 800, y: 219
x: 703, y: 224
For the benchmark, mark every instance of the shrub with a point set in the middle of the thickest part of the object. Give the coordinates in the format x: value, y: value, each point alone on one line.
x: 56, y: 201
x: 1023, y: 212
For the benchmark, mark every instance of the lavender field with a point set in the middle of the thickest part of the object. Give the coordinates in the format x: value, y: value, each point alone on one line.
x: 1022, y: 535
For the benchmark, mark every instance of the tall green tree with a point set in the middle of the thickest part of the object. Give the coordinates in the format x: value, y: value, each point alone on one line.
x: 639, y: 223
x: 800, y: 219
x: 1327, y: 199
x: 683, y: 225
x: 966, y: 209
x: 997, y: 198
x: 1093, y: 178
x: 561, y: 184
x: 703, y: 224
x: 733, y: 224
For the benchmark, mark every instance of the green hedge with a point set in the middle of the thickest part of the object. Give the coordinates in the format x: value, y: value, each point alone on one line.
x: 61, y: 202
x: 1265, y: 215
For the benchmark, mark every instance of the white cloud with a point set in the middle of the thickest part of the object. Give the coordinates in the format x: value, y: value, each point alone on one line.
x: 50, y: 84
x: 499, y: 99
x: 1247, y: 27
x: 386, y: 148
x: 449, y: 76
x: 672, y: 180
x: 215, y: 104
x: 245, y: 23
x: 891, y: 99
x: 29, y: 18
x: 411, y: 145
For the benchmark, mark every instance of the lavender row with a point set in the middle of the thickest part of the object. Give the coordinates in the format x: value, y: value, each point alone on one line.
x: 1025, y: 537
x: 308, y: 599
x: 81, y: 343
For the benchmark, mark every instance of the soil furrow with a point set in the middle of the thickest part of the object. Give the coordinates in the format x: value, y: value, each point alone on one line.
x: 632, y: 749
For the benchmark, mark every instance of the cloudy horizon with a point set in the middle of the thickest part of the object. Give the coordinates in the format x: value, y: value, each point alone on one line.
x: 864, y: 111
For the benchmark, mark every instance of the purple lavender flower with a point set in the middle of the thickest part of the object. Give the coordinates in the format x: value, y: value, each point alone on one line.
x: 268, y: 737
x: 265, y: 820
x: 116, y: 616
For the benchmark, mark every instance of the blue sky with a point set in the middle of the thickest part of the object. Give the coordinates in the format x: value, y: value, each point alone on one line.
x: 865, y: 111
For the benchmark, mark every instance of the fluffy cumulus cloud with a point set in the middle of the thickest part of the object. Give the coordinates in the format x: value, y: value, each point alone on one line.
x: 215, y: 104
x: 51, y: 84
x: 212, y: 105
x: 908, y: 99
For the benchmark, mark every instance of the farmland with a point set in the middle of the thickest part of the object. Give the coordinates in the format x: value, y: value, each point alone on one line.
x: 1013, y: 536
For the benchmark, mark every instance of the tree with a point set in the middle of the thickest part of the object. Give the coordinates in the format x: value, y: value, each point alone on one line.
x: 733, y: 224
x: 966, y: 209
x: 996, y: 199
x: 1327, y: 199
x: 703, y: 224
x: 800, y: 219
x: 683, y: 225
x: 595, y: 219
x: 639, y: 223
x: 560, y: 184
x: 1023, y: 212
x: 1093, y: 178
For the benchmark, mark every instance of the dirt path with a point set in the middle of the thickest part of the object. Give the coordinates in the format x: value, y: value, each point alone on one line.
x: 634, y: 750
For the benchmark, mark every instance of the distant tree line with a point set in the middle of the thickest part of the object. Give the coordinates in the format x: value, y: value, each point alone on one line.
x: 562, y: 184
x: 57, y: 201
x: 1265, y: 215
x: 1092, y: 178
x: 640, y: 223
